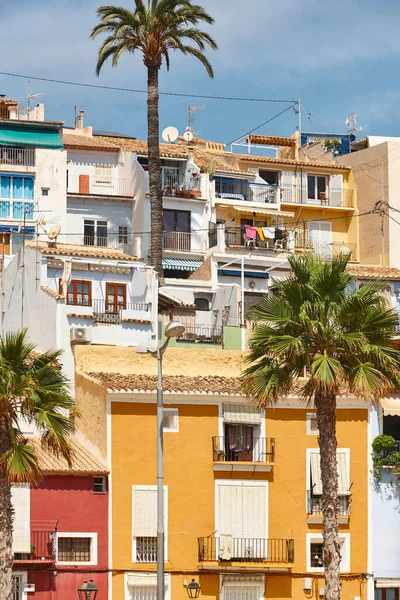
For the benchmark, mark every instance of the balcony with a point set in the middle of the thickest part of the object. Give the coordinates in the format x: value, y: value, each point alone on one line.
x: 123, y: 241
x: 177, y: 240
x: 25, y: 157
x: 333, y: 197
x: 17, y: 210
x: 109, y: 312
x: 247, y: 191
x: 43, y: 549
x: 254, y: 454
x: 201, y: 334
x: 90, y: 185
x: 227, y: 549
x: 314, y: 508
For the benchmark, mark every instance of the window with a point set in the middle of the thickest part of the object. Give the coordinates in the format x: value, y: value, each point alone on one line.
x: 387, y: 593
x: 177, y: 220
x: 316, y: 186
x: 270, y: 177
x: 122, y: 234
x: 239, y: 588
x: 94, y: 232
x: 99, y: 485
x: 314, y: 547
x: 314, y: 483
x: 170, y: 421
x: 143, y: 586
x: 16, y: 195
x: 311, y: 424
x: 115, y: 297
x: 242, y: 512
x: 79, y: 292
x: 242, y: 429
x: 16, y: 587
x: 74, y: 549
x: 45, y: 191
x: 144, y: 523
x: 202, y: 304
x: 391, y: 426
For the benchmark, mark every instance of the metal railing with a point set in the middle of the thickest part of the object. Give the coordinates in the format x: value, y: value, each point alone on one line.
x: 177, y: 240
x: 111, y: 240
x: 293, y: 194
x: 107, y: 312
x: 246, y: 190
x: 227, y: 548
x: 146, y: 549
x: 236, y: 237
x: 253, y: 449
x: 17, y: 156
x: 43, y: 547
x: 202, y: 334
x: 314, y: 505
x: 86, y: 184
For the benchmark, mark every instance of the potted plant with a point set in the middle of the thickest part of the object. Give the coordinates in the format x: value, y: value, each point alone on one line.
x: 33, y: 550
x: 210, y: 169
x: 220, y: 455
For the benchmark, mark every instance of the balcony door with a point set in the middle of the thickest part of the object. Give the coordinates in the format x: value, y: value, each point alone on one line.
x: 242, y: 515
x: 177, y: 230
x: 115, y: 297
x: 320, y: 233
x: 95, y: 233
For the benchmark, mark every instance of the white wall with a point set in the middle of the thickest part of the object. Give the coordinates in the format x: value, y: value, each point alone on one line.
x: 115, y: 212
x: 51, y: 173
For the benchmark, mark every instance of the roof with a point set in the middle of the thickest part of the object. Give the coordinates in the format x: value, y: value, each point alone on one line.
x: 140, y: 147
x: 86, y: 142
x: 71, y: 250
x: 374, y: 272
x: 210, y: 384
x: 167, y: 300
x: 52, y: 292
x: 289, y: 161
x: 271, y: 140
x: 83, y: 462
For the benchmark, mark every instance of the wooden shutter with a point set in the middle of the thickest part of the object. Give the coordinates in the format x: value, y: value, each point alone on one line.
x: 144, y: 511
x: 20, y: 499
x: 343, y: 472
x: 242, y: 510
x: 254, y: 511
x: 301, y: 188
x: 336, y: 190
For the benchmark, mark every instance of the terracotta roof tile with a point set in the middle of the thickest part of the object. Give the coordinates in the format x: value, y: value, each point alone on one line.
x: 83, y: 463
x: 140, y: 147
x: 51, y: 292
x: 86, y: 142
x: 288, y: 161
x: 271, y: 140
x: 143, y: 321
x: 89, y: 251
x: 374, y: 272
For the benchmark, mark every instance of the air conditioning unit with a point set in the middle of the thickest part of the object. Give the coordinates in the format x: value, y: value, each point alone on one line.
x: 79, y: 335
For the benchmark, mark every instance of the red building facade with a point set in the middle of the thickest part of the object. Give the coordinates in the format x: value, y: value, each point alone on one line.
x: 68, y: 530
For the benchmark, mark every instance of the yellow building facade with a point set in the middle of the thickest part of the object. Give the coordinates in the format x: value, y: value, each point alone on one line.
x: 242, y: 486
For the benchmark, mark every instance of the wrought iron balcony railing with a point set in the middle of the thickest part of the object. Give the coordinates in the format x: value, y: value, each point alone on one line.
x: 258, y: 550
x: 43, y: 547
x: 252, y: 449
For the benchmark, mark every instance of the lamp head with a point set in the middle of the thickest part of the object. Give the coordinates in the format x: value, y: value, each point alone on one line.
x: 173, y: 329
x: 193, y: 589
x: 88, y: 591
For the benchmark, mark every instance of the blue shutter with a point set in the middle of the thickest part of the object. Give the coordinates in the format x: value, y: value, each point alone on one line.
x: 28, y: 210
x: 28, y: 188
x: 17, y: 187
x: 4, y: 209
x: 5, y: 187
x: 17, y: 210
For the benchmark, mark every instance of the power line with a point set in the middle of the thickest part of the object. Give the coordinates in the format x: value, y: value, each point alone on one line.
x: 137, y: 91
x: 265, y: 123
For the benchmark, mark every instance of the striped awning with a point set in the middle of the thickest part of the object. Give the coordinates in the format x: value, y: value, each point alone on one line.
x: 391, y: 407
x: 240, y: 414
x: 181, y: 264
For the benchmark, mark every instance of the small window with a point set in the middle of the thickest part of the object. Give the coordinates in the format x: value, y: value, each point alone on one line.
x: 317, y: 553
x: 45, y: 191
x: 122, y: 234
x: 311, y: 423
x: 74, y: 549
x: 202, y: 304
x: 171, y: 419
x: 99, y: 485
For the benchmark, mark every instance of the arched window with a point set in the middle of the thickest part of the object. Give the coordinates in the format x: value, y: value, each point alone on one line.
x: 202, y: 304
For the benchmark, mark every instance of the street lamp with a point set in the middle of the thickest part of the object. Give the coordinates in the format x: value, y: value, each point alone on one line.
x: 88, y: 591
x: 193, y: 589
x: 173, y: 329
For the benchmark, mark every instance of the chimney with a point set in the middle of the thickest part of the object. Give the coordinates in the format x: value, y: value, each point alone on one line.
x: 81, y: 119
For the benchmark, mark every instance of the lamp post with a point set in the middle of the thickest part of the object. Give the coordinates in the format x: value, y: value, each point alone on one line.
x: 193, y: 589
x: 173, y: 329
x: 88, y: 591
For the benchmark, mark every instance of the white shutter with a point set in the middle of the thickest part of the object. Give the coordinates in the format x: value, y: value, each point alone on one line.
x: 242, y: 592
x: 287, y: 186
x: 301, y: 188
x: 241, y: 414
x: 230, y: 510
x: 320, y: 233
x: 20, y: 499
x: 144, y: 511
x: 343, y: 472
x: 336, y: 190
x: 254, y: 511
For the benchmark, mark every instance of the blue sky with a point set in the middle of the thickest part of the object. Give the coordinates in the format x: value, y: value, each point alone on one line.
x: 338, y: 57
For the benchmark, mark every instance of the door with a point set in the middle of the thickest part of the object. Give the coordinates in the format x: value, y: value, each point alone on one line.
x: 177, y: 230
x: 242, y: 514
x: 115, y: 297
x: 4, y: 243
x: 320, y: 233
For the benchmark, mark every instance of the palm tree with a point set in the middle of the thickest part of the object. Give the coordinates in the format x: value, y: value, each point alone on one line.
x: 32, y: 388
x: 316, y: 323
x: 154, y: 29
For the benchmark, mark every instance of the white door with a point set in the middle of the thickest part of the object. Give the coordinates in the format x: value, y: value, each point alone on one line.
x: 242, y: 514
x: 320, y: 233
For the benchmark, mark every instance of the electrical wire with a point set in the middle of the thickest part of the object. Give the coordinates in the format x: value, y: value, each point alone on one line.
x: 265, y: 123
x: 137, y: 91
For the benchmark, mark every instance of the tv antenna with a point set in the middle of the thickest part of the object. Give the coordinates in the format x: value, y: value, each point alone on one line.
x: 189, y: 133
x: 170, y: 134
x: 351, y: 122
x: 31, y: 96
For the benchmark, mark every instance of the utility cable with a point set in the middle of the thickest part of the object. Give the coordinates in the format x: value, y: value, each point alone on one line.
x: 137, y: 91
x: 265, y: 123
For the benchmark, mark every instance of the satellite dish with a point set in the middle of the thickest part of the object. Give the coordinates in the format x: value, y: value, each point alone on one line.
x: 170, y: 134
x: 53, y: 232
x: 188, y: 136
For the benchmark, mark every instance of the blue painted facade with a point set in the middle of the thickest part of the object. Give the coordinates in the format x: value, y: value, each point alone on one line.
x: 345, y: 140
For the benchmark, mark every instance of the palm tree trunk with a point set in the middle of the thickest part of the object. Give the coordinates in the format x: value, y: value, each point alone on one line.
x: 326, y: 418
x: 156, y: 208
x: 6, y: 514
